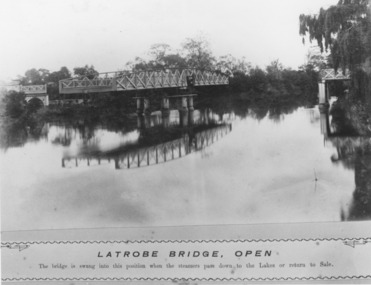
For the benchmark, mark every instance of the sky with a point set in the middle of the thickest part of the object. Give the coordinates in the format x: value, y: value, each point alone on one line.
x: 108, y: 33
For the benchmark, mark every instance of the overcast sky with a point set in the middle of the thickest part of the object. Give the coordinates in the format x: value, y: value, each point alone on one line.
x: 108, y: 33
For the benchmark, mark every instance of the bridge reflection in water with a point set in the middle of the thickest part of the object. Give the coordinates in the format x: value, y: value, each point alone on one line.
x: 157, y: 143
x: 353, y: 151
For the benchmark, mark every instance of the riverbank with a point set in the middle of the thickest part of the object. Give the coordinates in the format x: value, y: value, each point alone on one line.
x: 356, y: 112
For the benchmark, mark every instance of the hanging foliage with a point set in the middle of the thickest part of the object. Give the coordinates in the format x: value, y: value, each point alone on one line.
x: 344, y: 30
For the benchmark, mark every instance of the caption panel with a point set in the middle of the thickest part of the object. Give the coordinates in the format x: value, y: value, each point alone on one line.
x: 315, y: 259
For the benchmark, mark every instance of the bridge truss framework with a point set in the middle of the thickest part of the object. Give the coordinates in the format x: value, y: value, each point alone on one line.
x: 155, y: 79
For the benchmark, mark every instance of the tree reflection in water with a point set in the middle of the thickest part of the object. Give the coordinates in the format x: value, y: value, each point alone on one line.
x: 353, y: 152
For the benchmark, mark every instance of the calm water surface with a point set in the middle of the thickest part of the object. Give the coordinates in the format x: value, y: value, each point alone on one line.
x: 203, y: 169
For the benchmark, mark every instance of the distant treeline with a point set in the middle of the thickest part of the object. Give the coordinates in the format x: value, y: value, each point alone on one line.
x: 250, y: 86
x: 274, y: 80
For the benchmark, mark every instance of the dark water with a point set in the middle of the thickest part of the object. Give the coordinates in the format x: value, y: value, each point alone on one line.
x: 221, y: 164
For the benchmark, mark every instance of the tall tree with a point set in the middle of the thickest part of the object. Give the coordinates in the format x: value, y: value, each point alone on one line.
x: 55, y: 76
x: 198, y: 54
x: 230, y: 65
x: 31, y: 77
x: 164, y: 58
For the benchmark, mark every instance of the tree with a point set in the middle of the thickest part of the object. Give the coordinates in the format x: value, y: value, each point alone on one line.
x: 258, y: 79
x: 198, y: 54
x: 163, y: 59
x: 55, y: 76
x: 85, y: 71
x: 53, y: 81
x: 230, y: 65
x: 317, y: 60
x: 158, y: 52
x: 345, y: 30
x: 174, y: 61
x: 35, y: 76
x: 15, y: 104
x: 44, y: 74
x: 160, y: 60
x: 274, y: 70
x: 31, y: 77
x: 139, y: 64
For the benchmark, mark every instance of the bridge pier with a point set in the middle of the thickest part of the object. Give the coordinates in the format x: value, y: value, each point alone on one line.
x: 184, y: 103
x: 190, y: 103
x: 165, y: 106
x: 323, y: 95
x: 146, y: 105
x: 140, y: 106
x: 143, y: 106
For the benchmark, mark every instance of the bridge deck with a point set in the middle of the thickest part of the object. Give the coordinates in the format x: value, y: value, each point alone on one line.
x: 33, y: 89
x: 156, y: 79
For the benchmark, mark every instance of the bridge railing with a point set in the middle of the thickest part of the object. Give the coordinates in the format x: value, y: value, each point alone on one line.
x: 153, y: 79
x: 34, y: 89
x: 330, y: 74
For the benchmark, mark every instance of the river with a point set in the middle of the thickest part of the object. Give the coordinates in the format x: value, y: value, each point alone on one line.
x: 205, y: 168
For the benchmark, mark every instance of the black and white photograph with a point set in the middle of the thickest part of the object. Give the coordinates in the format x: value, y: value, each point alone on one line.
x: 180, y: 115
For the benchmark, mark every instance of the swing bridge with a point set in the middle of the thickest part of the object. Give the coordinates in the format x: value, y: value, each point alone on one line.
x: 121, y: 81
x: 142, y: 80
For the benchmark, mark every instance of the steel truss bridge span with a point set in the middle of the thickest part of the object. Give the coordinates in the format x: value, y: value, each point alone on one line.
x: 143, y: 80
